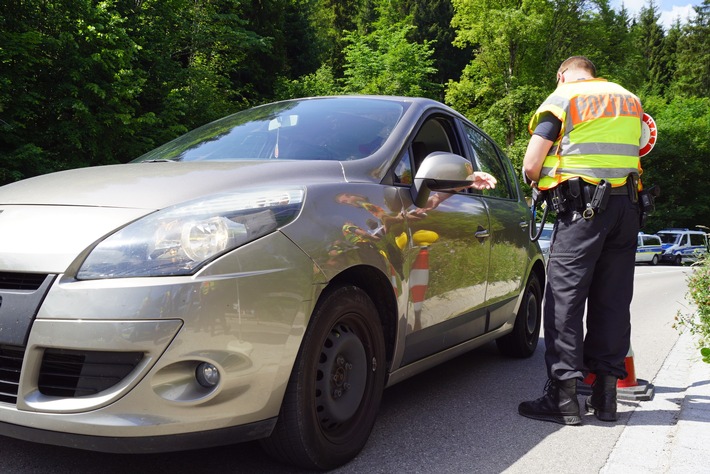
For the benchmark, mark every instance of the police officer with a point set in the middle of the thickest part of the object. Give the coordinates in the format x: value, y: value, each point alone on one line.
x: 584, y: 153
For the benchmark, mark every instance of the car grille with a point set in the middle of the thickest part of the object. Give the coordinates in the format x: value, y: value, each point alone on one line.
x: 10, y: 365
x: 67, y: 373
x: 21, y: 281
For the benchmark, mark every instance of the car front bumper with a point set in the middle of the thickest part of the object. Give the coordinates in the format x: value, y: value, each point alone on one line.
x: 245, y: 314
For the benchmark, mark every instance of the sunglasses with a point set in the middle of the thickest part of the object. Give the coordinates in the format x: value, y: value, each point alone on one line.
x: 559, y: 74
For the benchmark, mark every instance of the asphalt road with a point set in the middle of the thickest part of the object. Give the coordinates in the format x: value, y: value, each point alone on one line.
x: 460, y: 417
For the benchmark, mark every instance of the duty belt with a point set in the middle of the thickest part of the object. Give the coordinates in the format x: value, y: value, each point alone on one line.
x: 618, y: 191
x: 576, y: 194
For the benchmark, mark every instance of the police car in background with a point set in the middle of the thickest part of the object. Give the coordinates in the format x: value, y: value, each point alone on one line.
x: 682, y: 245
x: 545, y: 239
x: 649, y: 249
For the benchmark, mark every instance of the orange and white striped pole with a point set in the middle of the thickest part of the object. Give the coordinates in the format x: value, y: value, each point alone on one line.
x: 419, y: 274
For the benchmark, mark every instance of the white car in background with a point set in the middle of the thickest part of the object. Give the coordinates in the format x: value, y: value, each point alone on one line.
x: 649, y: 249
x: 545, y: 239
x: 682, y: 245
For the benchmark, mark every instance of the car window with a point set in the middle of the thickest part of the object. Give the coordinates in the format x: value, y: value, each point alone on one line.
x: 651, y: 240
x: 697, y: 239
x: 435, y: 134
x: 486, y: 159
x: 403, y: 170
x: 338, y: 129
x: 670, y: 238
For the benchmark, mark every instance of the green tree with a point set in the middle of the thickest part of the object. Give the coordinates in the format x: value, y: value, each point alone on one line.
x: 69, y: 90
x: 335, y: 18
x: 664, y: 76
x: 197, y: 56
x: 650, y: 41
x: 386, y: 62
x: 678, y: 161
x: 692, y: 73
x: 320, y: 83
x: 502, y: 83
x: 304, y: 48
x: 609, y: 43
x: 698, y: 322
x: 432, y: 19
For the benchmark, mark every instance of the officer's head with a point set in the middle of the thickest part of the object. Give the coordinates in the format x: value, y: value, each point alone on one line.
x: 577, y: 64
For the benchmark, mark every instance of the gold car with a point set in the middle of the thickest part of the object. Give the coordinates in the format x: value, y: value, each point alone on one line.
x: 265, y: 276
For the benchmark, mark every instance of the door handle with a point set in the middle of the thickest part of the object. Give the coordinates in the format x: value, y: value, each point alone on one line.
x: 482, y: 233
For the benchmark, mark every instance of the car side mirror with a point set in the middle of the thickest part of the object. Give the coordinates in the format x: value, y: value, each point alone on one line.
x: 440, y: 171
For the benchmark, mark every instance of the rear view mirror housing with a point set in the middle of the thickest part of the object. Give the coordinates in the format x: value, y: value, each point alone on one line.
x: 440, y: 171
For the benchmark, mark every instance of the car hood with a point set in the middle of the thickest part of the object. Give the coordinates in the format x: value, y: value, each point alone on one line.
x: 48, y: 221
x: 158, y: 185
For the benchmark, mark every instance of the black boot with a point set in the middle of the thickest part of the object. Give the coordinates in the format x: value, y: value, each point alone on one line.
x: 602, y: 401
x: 559, y: 404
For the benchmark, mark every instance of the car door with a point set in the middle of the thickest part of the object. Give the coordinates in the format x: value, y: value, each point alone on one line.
x: 509, y: 234
x: 448, y: 256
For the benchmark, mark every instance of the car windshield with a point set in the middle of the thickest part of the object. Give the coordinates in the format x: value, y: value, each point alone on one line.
x: 669, y: 238
x: 312, y: 129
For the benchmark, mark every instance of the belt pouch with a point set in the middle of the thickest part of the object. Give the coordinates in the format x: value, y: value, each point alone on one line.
x: 632, y: 184
x: 557, y: 200
x: 601, y: 196
x: 574, y: 188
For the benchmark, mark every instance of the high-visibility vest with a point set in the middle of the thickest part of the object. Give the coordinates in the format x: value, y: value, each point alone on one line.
x: 600, y: 134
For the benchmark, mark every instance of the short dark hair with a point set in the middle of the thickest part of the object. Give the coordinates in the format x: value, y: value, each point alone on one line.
x: 579, y: 62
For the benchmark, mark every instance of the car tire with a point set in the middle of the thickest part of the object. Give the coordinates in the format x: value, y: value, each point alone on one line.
x: 523, y: 339
x: 654, y: 260
x: 678, y: 260
x: 336, y: 385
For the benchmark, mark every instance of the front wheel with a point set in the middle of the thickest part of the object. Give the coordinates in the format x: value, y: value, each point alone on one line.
x: 678, y: 260
x: 654, y: 260
x: 336, y: 385
x: 522, y: 340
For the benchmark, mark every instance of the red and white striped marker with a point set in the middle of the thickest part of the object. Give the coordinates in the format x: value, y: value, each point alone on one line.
x: 419, y: 274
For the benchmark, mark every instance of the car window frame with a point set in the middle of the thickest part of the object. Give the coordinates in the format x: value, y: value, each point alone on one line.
x: 454, y: 139
x: 505, y: 175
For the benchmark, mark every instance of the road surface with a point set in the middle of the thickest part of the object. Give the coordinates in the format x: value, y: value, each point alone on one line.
x: 460, y: 417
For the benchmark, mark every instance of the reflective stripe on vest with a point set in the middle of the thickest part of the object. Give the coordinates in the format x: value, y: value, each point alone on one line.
x: 601, y: 130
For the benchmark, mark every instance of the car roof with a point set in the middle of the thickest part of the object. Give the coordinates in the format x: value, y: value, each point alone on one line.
x: 677, y: 231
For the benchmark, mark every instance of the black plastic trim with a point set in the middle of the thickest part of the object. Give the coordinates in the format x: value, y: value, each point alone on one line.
x: 143, y: 444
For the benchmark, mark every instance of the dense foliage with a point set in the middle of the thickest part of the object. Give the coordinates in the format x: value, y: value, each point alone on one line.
x: 698, y: 322
x: 88, y: 82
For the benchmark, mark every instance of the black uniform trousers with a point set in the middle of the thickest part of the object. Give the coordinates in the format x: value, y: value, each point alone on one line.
x: 591, y: 262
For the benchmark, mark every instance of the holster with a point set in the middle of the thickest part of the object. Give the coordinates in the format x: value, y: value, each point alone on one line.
x: 647, y: 203
x: 576, y: 194
x: 556, y: 200
x: 597, y: 203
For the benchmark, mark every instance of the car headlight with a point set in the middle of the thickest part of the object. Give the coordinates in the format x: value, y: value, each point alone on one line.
x: 179, y: 239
